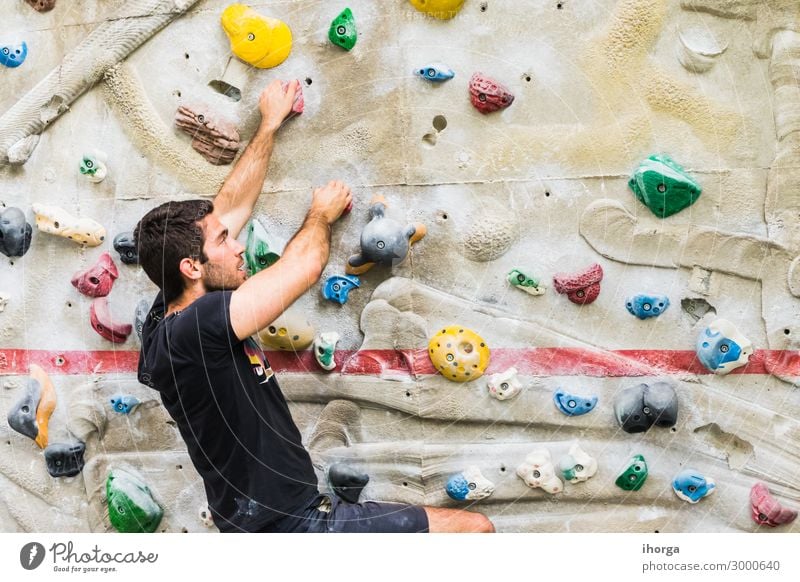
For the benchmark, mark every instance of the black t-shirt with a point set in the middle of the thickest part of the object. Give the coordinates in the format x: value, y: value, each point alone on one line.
x: 229, y: 409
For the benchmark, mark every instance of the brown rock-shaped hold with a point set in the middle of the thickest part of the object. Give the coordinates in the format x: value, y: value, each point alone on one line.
x: 216, y: 139
x: 582, y: 287
x: 487, y: 95
x: 42, y: 5
x: 47, y: 403
x: 97, y: 280
x: 102, y: 323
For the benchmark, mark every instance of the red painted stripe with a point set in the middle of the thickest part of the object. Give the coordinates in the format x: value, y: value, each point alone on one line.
x: 536, y: 361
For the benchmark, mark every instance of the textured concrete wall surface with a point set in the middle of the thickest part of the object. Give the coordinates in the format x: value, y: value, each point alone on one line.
x: 542, y: 185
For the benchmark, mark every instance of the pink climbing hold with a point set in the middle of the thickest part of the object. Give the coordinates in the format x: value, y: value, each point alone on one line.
x: 582, y: 287
x: 766, y: 510
x: 299, y: 104
x: 97, y: 280
x: 487, y: 95
x: 102, y: 323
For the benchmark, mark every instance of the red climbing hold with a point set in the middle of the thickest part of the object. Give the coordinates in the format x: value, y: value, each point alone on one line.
x: 487, y: 95
x: 97, y: 280
x: 582, y: 287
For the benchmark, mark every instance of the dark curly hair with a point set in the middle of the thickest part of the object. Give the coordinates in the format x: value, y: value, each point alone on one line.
x: 165, y: 236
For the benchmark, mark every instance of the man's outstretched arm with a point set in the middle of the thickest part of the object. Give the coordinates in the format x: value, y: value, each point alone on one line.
x: 239, y: 193
x: 267, y: 294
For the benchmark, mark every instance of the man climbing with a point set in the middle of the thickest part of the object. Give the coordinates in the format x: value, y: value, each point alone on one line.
x: 215, y: 382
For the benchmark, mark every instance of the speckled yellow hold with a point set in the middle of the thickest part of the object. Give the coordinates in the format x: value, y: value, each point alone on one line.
x: 441, y: 9
x: 258, y: 40
x: 47, y: 403
x: 459, y: 353
x: 291, y: 332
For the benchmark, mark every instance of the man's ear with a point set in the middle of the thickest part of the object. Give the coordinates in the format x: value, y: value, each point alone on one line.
x: 190, y: 269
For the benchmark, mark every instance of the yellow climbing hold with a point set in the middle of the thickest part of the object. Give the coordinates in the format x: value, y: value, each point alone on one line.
x: 442, y: 9
x: 458, y: 353
x: 291, y: 332
x: 258, y: 40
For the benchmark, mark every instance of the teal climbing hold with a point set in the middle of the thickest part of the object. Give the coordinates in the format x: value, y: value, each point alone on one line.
x: 664, y: 186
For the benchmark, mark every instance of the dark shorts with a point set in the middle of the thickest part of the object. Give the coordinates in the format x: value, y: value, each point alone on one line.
x: 329, y: 514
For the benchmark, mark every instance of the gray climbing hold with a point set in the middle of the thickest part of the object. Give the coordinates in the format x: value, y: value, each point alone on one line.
x: 126, y: 247
x: 22, y: 416
x: 15, y: 232
x: 639, y: 407
x: 347, y: 481
x: 64, y: 460
x: 142, y: 309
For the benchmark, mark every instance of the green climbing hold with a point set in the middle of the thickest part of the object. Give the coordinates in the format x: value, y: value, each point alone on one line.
x: 131, y: 507
x: 524, y: 282
x: 343, y: 30
x: 664, y: 186
x: 634, y: 476
x: 261, y: 250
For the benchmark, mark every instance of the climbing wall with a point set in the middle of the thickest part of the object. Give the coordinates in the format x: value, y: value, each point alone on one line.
x: 617, y: 284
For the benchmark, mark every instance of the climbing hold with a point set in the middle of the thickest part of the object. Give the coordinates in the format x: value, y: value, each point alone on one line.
x: 645, y: 306
x: 261, y: 250
x: 291, y: 332
x: 346, y: 481
x: 126, y: 247
x: 436, y: 72
x: 337, y: 287
x: 15, y: 232
x: 299, y: 103
x: 93, y: 166
x: 13, y: 56
x: 538, y: 472
x: 258, y: 40
x: 699, y: 49
x: 22, y: 416
x: 324, y: 349
x: 504, y: 385
x: 20, y: 152
x: 722, y: 348
x: 521, y: 281
x: 458, y: 353
x: 692, y: 486
x: 213, y: 137
x: 47, y: 403
x: 343, y: 31
x: 634, y: 475
x: 131, y: 507
x: 103, y: 323
x: 487, y: 95
x: 42, y: 5
x: 64, y: 460
x: 441, y: 9
x: 664, y: 186
x: 572, y: 404
x: 383, y: 240
x: 142, y: 309
x: 31, y: 415
x: 469, y: 485
x: 639, y: 407
x: 204, y: 513
x: 577, y: 466
x: 124, y: 403
x: 97, y: 280
x: 57, y: 221
x: 766, y: 510
x: 582, y: 287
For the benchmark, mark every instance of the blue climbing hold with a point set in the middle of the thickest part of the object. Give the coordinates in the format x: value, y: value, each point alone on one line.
x: 338, y: 287
x: 692, y: 486
x: 573, y: 405
x: 124, y: 404
x: 436, y: 72
x: 13, y: 55
x: 722, y: 348
x: 645, y: 306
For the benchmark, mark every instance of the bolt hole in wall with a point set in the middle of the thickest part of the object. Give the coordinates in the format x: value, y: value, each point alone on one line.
x: 440, y: 123
x: 484, y: 6
x: 560, y: 5
x: 787, y: 331
x: 309, y: 81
